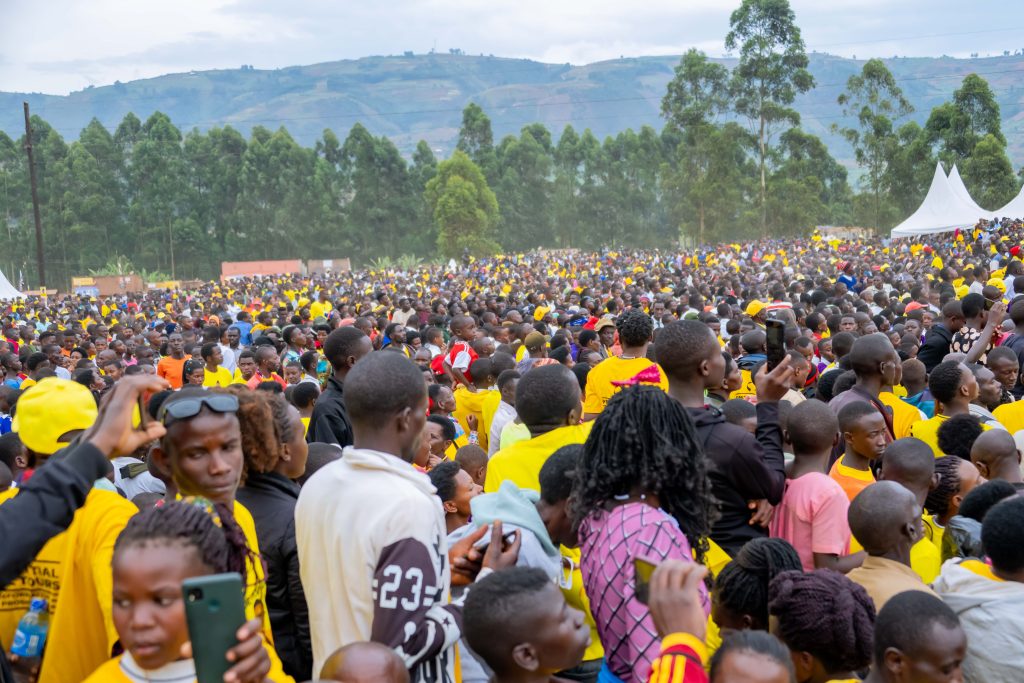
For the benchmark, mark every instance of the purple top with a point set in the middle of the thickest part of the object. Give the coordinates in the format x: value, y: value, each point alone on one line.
x: 609, y: 541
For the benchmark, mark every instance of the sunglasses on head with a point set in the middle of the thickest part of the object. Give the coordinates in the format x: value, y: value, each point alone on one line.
x: 184, y: 408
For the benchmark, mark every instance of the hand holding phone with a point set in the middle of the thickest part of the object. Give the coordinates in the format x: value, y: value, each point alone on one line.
x: 220, y: 640
x: 674, y: 598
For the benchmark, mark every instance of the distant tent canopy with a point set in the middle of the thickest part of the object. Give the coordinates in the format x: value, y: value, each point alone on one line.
x: 1015, y: 209
x: 946, y: 207
x: 8, y: 291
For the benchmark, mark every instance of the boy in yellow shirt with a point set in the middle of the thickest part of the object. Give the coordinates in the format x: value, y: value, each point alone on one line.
x: 472, y: 402
x: 636, y: 332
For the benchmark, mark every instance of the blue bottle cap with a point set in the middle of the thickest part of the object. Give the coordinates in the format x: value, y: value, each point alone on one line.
x: 37, y: 604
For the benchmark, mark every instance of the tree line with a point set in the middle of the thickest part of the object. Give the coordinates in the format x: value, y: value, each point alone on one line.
x: 731, y: 162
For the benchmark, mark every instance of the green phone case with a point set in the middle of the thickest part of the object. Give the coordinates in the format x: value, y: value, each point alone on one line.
x: 215, y: 610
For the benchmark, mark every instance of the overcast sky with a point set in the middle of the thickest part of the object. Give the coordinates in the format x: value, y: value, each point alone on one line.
x: 56, y: 46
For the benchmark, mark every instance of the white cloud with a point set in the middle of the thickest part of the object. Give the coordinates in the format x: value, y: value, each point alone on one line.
x: 97, y: 42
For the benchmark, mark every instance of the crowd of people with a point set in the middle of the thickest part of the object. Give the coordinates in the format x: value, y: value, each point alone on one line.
x: 554, y: 466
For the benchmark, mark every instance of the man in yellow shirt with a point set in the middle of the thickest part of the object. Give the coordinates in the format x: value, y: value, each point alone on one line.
x: 630, y: 367
x: 954, y: 387
x: 214, y: 374
x: 322, y: 307
x: 72, y: 571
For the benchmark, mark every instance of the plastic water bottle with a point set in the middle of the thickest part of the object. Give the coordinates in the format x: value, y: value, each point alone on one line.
x: 30, y: 636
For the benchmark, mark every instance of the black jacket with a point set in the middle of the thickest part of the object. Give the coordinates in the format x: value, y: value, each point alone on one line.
x: 329, y: 422
x: 936, y: 346
x: 271, y: 498
x: 43, y: 508
x: 741, y: 468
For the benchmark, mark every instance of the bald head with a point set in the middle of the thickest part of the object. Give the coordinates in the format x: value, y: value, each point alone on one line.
x: 883, y: 519
x: 995, y: 455
x: 365, y: 663
x: 911, y: 463
x: 869, y: 352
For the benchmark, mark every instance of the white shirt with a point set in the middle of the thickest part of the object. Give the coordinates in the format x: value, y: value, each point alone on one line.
x: 502, y: 416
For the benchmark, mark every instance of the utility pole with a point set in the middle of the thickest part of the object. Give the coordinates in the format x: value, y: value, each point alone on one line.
x: 35, y: 203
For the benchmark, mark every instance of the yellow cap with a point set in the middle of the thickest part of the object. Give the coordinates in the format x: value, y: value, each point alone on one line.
x: 51, y: 409
x: 754, y: 307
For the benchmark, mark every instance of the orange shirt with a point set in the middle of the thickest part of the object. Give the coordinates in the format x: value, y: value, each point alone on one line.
x: 172, y: 369
x: 853, y: 481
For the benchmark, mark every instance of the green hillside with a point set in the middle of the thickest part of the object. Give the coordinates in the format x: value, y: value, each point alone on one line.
x: 417, y: 97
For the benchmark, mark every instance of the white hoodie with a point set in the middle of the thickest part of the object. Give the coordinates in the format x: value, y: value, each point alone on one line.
x: 992, y: 615
x: 373, y: 558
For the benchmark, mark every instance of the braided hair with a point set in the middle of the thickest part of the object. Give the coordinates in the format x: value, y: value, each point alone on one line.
x: 208, y: 527
x: 644, y: 440
x: 742, y: 586
x: 948, y: 469
x: 826, y: 615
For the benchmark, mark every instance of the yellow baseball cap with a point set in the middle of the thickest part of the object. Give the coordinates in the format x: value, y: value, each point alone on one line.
x: 51, y: 409
x: 754, y: 307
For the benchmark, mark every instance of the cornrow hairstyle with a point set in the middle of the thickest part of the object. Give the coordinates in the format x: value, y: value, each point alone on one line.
x: 264, y: 424
x: 755, y: 642
x: 742, y: 585
x: 208, y: 527
x: 956, y: 436
x: 825, y: 614
x: 948, y: 469
x: 635, y: 327
x: 646, y: 440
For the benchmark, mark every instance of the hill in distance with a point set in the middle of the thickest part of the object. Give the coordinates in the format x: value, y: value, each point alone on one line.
x: 414, y: 97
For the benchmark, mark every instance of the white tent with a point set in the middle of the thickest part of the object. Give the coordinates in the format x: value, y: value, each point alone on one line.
x: 960, y: 190
x: 1015, y: 209
x: 7, y: 290
x: 941, y: 211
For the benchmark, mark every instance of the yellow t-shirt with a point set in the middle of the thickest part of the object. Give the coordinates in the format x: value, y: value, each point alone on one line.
x: 932, y: 531
x: 904, y: 415
x: 320, y: 310
x: 521, y: 462
x: 109, y: 672
x: 472, y: 403
x: 73, y: 572
x: 1010, y: 415
x: 928, y: 431
x: 599, y: 382
x: 237, y: 377
x: 487, y: 411
x: 305, y: 425
x: 221, y: 378
x: 926, y: 560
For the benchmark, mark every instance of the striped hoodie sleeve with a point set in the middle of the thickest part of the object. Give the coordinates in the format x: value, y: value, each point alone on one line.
x: 680, y: 661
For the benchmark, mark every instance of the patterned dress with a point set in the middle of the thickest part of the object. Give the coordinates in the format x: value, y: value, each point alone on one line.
x: 609, y: 542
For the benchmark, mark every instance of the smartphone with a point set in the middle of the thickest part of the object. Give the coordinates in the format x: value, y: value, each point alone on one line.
x: 143, y: 414
x: 989, y: 303
x: 776, y: 330
x: 214, y: 610
x: 642, y: 571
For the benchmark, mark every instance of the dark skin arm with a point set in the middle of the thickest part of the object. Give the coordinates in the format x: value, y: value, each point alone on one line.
x: 840, y: 564
x: 460, y: 377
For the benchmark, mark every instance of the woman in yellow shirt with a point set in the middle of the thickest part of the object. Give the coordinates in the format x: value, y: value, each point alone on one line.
x: 158, y: 549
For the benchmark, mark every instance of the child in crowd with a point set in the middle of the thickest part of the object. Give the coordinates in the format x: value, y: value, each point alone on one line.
x: 866, y: 436
x: 812, y: 514
x: 519, y: 623
x: 159, y: 548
